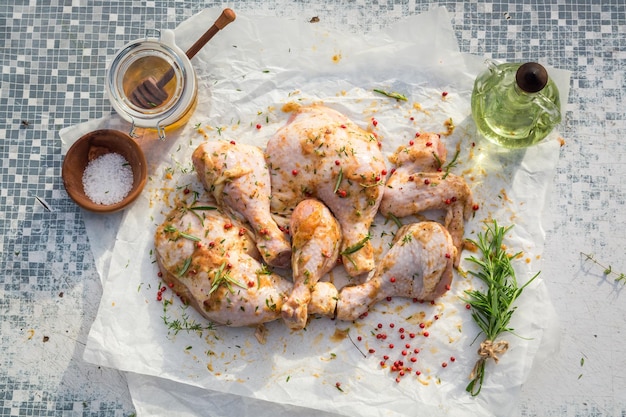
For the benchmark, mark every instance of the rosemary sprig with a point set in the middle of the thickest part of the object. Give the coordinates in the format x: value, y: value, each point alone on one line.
x: 391, y: 94
x: 608, y: 270
x: 492, y: 310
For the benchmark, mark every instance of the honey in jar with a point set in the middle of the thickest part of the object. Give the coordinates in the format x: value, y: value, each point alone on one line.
x: 152, y: 84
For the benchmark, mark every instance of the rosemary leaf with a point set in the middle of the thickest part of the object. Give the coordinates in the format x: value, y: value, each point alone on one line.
x: 451, y: 164
x: 391, y: 94
x: 339, y: 179
x: 438, y: 160
x: 357, y: 246
x: 395, y: 220
x: 203, y: 208
x: 185, y: 267
x: 190, y: 237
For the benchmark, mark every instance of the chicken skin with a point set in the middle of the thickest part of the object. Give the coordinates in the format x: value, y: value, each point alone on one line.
x: 315, y: 240
x: 321, y: 153
x: 418, y: 265
x: 324, y: 296
x: 238, y: 178
x: 417, y: 185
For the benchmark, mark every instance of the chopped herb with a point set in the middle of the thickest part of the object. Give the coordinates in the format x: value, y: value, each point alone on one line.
x: 395, y: 220
x: 171, y: 229
x: 264, y: 270
x: 195, y: 209
x: 391, y: 94
x: 188, y: 236
x: 269, y: 302
x: 437, y: 159
x: 339, y: 179
x: 223, y: 278
x: 185, y: 267
x: 451, y: 164
x: 185, y: 323
x: 203, y: 208
x: 357, y: 246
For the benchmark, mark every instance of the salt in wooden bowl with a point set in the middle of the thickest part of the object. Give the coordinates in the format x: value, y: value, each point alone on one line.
x: 91, y: 146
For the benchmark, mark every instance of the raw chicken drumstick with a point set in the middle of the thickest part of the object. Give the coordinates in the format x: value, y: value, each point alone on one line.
x: 238, y: 178
x: 321, y: 153
x: 418, y: 265
x: 315, y: 240
x: 417, y: 186
x: 211, y: 262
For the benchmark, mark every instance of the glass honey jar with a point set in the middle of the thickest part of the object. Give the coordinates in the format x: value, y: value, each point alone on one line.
x: 152, y: 84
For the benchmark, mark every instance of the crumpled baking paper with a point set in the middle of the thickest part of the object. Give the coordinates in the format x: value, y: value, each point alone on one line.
x: 246, y: 75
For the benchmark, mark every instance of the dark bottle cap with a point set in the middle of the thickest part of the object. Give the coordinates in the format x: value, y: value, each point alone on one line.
x: 531, y: 77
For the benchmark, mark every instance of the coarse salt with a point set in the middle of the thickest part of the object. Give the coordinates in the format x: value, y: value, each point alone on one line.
x: 108, y: 179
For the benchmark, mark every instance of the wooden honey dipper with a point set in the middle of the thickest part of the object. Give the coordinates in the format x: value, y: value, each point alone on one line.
x: 150, y: 93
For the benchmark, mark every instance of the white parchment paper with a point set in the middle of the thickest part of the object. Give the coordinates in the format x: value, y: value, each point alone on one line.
x: 247, y: 74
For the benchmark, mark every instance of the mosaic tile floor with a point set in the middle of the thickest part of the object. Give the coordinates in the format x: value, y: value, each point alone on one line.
x: 52, y: 62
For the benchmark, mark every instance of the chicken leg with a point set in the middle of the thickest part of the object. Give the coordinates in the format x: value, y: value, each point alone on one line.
x: 412, y: 194
x: 418, y: 184
x: 209, y: 262
x: 425, y: 153
x: 238, y: 178
x: 315, y: 239
x: 321, y: 153
x: 418, y: 265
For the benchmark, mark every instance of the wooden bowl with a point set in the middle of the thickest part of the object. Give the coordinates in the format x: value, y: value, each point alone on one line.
x: 91, y: 146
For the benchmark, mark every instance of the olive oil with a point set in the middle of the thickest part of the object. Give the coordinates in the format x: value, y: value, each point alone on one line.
x: 515, y: 105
